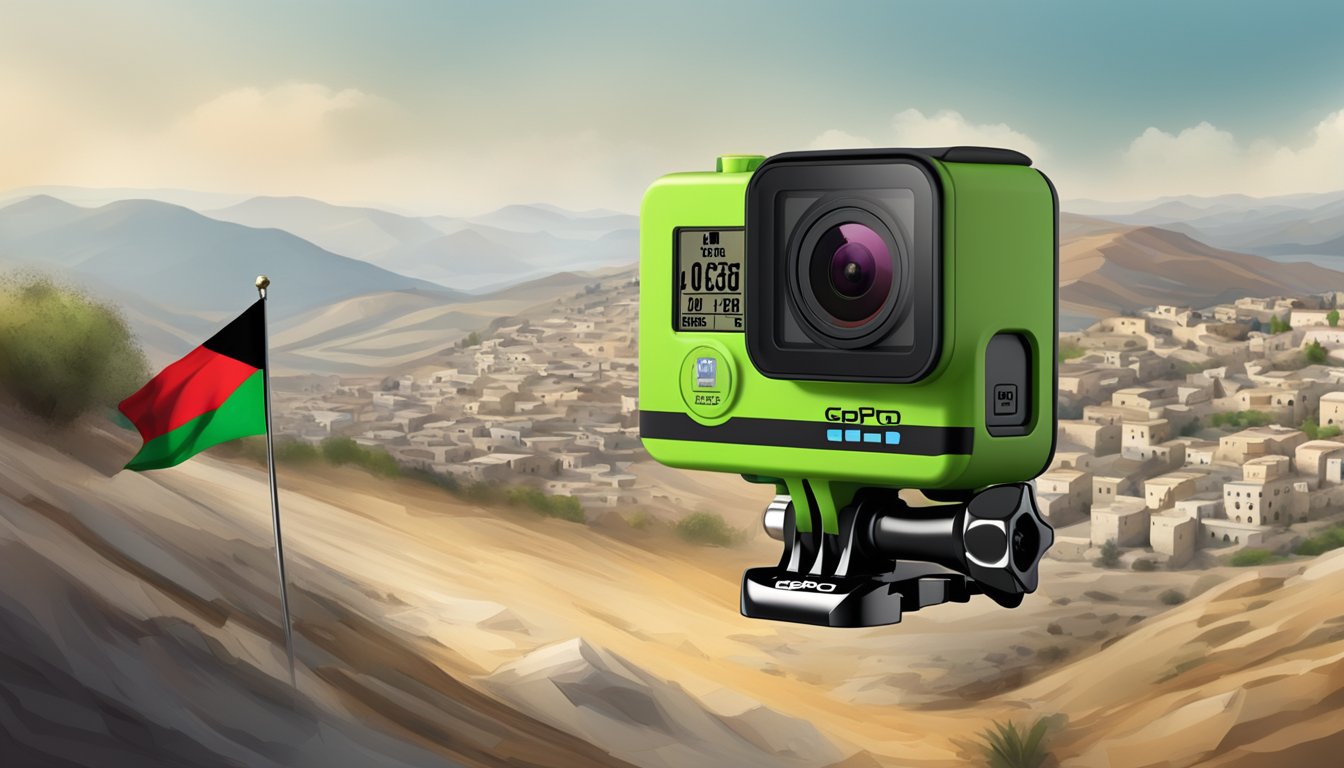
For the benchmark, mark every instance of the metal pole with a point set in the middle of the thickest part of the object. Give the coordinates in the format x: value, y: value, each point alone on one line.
x: 262, y: 283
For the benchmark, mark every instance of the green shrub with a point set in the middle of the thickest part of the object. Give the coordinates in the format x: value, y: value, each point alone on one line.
x: 1253, y: 556
x: 343, y: 450
x: 1007, y: 747
x: 566, y: 508
x: 706, y: 528
x: 1069, y: 350
x: 1330, y: 538
x: 1110, y: 554
x: 1315, y: 431
x: 63, y: 354
x: 1240, y: 419
x: 295, y: 452
x: 563, y: 507
x: 1171, y: 597
x: 1332, y: 317
x: 1144, y: 564
x: 1315, y: 353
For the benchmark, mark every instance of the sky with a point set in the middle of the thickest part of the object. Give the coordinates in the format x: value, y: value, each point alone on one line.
x: 443, y: 107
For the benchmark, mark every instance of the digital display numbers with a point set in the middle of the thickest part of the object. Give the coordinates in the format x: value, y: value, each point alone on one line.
x: 709, y: 279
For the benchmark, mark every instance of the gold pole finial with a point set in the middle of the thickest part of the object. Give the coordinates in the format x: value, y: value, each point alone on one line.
x: 263, y: 282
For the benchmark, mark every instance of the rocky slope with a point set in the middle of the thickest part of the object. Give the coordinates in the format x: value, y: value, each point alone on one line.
x: 139, y: 623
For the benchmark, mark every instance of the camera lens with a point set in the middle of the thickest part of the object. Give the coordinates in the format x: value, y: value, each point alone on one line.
x: 850, y: 274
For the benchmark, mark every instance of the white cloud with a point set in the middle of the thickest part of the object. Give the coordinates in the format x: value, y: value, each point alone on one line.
x: 913, y: 128
x: 288, y: 121
x: 1206, y: 160
x: 337, y: 144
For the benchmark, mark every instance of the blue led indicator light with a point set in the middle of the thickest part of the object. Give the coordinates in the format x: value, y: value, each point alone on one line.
x: 872, y: 437
x: 852, y: 436
x: 833, y: 435
x: 893, y: 438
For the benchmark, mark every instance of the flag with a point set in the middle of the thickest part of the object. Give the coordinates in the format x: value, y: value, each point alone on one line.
x: 214, y: 394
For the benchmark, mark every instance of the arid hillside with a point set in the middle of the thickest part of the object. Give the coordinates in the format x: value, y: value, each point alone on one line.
x: 139, y: 619
x: 1104, y: 270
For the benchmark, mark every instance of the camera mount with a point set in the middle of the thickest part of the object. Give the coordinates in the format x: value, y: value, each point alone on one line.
x: 889, y: 558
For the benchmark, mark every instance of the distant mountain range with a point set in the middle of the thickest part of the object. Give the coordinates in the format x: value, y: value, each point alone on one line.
x: 178, y: 258
x: 514, y: 243
x: 359, y: 288
x: 1306, y: 225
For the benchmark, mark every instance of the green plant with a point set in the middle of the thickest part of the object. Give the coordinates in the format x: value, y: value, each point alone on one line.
x: 295, y: 452
x: 1315, y: 353
x: 1110, y: 554
x: 63, y: 354
x: 706, y: 528
x: 1330, y: 538
x: 1144, y: 564
x: 1332, y: 317
x: 640, y: 519
x: 343, y: 450
x: 1279, y: 324
x: 1069, y: 350
x: 1315, y: 431
x: 1253, y: 556
x: 563, y: 507
x: 1007, y: 747
x: 1171, y: 597
x: 1240, y: 419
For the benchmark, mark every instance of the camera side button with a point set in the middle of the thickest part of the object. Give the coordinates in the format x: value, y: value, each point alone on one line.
x: 707, y: 380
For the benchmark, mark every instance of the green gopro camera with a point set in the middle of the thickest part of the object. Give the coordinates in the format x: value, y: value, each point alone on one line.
x: 847, y: 325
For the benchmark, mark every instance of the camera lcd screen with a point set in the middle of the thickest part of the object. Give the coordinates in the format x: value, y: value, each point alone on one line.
x: 709, y: 279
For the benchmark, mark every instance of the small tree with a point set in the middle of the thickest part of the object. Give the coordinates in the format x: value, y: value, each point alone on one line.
x: 1332, y: 317
x: 1110, y: 554
x: 1315, y: 352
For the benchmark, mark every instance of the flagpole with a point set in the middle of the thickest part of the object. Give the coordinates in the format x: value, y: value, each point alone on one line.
x: 263, y: 282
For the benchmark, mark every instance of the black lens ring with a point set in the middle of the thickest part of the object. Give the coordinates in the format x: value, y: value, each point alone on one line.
x: 824, y: 215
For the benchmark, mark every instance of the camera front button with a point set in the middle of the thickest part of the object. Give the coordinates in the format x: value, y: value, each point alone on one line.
x: 707, y: 379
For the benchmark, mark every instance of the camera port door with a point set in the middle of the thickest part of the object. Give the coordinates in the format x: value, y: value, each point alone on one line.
x: 1007, y: 385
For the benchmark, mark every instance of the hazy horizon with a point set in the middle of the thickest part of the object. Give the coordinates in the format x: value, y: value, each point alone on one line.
x: 458, y: 108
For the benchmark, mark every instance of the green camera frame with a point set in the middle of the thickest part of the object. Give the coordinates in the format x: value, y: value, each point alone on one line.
x: 998, y: 243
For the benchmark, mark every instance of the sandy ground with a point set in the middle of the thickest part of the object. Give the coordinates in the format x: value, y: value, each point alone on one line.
x: 429, y: 627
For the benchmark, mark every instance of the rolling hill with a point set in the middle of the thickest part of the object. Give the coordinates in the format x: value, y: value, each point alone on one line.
x: 178, y: 259
x: 1128, y: 268
x: 513, y: 244
x: 539, y: 217
x: 350, y: 231
x: 389, y: 331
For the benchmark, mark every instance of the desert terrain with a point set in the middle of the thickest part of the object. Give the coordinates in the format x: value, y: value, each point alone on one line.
x: 429, y: 630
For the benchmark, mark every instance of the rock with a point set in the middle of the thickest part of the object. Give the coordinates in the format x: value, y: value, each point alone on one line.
x: 605, y: 699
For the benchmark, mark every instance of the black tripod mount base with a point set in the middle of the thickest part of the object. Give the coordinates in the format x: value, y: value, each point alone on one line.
x: 851, y: 601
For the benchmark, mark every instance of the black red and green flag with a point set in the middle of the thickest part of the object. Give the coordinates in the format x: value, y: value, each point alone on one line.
x: 214, y: 394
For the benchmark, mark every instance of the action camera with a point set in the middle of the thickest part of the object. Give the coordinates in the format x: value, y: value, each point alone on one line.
x: 851, y: 324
